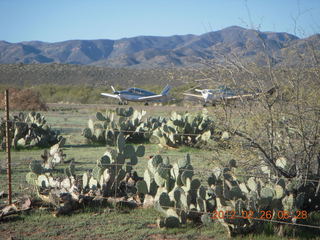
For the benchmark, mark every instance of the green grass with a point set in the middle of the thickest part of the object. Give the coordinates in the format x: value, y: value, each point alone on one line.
x: 134, y: 224
x: 103, y: 223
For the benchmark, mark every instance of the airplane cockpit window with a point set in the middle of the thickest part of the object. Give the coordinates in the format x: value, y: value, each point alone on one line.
x: 139, y: 91
x: 134, y: 90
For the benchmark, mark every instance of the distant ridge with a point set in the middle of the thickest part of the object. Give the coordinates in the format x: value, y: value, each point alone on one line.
x: 158, y: 52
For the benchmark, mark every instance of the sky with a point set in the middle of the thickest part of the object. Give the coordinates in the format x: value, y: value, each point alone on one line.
x: 60, y: 20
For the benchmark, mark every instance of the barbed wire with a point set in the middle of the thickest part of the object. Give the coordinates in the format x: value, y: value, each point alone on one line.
x: 22, y: 183
x: 233, y: 215
x: 216, y: 169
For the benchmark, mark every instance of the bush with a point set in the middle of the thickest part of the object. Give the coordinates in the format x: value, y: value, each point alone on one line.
x: 23, y: 99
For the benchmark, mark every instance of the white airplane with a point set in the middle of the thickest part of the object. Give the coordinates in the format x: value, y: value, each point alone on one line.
x: 221, y: 94
x: 138, y: 95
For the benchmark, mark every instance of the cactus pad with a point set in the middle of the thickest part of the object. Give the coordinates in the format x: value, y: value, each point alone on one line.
x: 141, y: 186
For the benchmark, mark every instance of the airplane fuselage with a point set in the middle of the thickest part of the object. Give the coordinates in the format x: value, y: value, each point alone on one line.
x: 215, y: 95
x: 138, y: 95
x: 133, y: 94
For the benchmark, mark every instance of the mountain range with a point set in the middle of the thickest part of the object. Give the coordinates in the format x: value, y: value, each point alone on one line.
x: 173, y: 51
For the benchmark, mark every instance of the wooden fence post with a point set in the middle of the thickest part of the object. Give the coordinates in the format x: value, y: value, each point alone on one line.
x: 8, y: 143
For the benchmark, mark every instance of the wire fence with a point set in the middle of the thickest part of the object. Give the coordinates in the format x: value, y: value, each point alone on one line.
x: 21, y: 187
x: 20, y: 168
x: 233, y: 215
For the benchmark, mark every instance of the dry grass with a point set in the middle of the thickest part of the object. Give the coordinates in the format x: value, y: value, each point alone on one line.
x: 23, y: 99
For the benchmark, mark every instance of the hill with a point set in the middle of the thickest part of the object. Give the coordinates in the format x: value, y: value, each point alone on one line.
x: 25, y: 75
x: 163, y: 52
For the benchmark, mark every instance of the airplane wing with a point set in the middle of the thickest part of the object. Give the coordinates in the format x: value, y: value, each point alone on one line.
x: 110, y: 95
x: 239, y: 96
x: 193, y: 95
x: 153, y: 97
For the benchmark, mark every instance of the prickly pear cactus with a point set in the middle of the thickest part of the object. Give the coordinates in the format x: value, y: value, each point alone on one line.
x: 174, y: 192
x: 52, y: 186
x: 47, y: 181
x: 191, y: 130
x: 147, y: 127
x: 256, y: 195
x: 113, y: 175
x: 29, y: 130
x: 46, y: 166
x: 106, y: 128
x: 187, y: 129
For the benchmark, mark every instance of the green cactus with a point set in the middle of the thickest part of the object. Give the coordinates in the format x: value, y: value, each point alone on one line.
x: 140, y: 151
x: 32, y: 178
x: 183, y: 163
x: 202, y: 192
x: 93, y: 183
x: 97, y: 172
x: 100, y: 117
x: 142, y: 187
x: 184, y: 129
x: 279, y: 192
x: 252, y: 185
x: 164, y: 200
x: 104, y: 161
x: 35, y: 167
x: 124, y: 112
x: 163, y: 171
x: 70, y: 170
x: 106, y: 127
x: 178, y: 196
x: 30, y: 131
x: 43, y: 181
x: 253, y: 194
x: 114, y: 168
x: 85, y: 180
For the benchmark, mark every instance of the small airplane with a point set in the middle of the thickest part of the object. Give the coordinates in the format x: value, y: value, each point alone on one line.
x: 221, y: 94
x: 138, y: 95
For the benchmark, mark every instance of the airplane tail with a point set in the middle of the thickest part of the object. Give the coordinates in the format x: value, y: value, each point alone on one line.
x: 166, y: 90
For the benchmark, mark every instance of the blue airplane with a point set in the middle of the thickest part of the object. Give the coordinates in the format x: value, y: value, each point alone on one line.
x: 138, y: 95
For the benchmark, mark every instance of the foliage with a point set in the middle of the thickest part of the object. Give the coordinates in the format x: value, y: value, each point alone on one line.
x: 40, y: 174
x: 112, y: 175
x: 243, y: 201
x: 52, y: 80
x: 174, y: 192
x: 188, y: 129
x: 23, y: 99
x: 28, y: 130
x: 106, y: 128
x: 180, y: 129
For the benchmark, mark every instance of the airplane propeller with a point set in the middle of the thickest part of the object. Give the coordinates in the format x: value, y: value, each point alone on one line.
x: 113, y: 89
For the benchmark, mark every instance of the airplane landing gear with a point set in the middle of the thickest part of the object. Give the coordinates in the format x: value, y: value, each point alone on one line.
x: 123, y: 103
x: 146, y: 103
